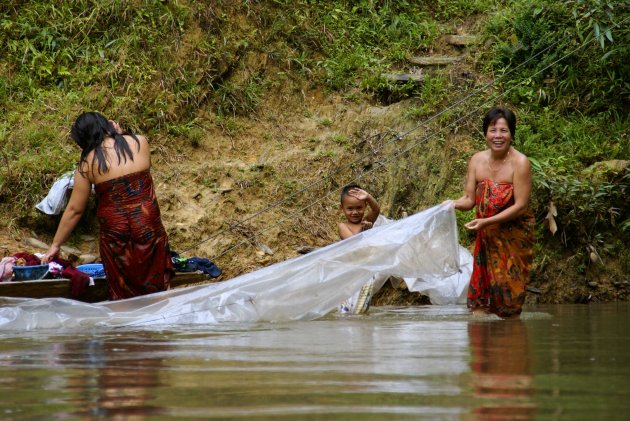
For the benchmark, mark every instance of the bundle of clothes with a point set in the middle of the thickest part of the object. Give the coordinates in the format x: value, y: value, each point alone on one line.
x: 57, y: 269
x: 194, y: 264
x: 79, y: 281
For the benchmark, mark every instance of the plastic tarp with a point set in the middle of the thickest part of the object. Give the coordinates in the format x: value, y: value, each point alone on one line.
x: 440, y: 290
x: 422, y: 247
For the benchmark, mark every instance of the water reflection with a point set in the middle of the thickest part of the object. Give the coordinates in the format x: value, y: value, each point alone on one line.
x: 117, y: 379
x: 502, y: 370
x: 417, y: 363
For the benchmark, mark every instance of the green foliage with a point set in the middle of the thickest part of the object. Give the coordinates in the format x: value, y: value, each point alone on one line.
x: 240, y: 98
x: 351, y: 40
x: 432, y: 96
x: 454, y: 9
x: 589, y: 207
x: 579, y: 138
x: 387, y: 91
x: 571, y: 53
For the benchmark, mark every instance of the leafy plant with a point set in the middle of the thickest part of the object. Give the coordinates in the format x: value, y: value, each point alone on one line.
x: 584, y: 209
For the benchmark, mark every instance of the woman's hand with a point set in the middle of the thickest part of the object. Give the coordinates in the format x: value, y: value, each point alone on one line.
x: 116, y: 126
x: 475, y: 224
x: 449, y: 204
x: 52, y: 252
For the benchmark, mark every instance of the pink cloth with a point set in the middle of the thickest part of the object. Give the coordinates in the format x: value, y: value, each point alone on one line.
x: 6, y: 268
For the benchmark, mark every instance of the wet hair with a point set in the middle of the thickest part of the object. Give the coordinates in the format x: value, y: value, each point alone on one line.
x: 89, y: 130
x: 496, y: 113
x: 346, y: 189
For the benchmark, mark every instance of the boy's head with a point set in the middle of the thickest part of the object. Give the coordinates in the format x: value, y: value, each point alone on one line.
x: 352, y: 208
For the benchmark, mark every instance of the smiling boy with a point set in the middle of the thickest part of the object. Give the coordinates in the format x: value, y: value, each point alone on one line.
x: 354, y: 202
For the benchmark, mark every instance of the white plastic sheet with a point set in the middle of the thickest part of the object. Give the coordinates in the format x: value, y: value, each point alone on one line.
x: 446, y: 290
x: 440, y: 290
x: 422, y: 246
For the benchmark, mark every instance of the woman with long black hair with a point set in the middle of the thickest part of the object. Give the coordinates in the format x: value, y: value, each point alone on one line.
x: 133, y: 242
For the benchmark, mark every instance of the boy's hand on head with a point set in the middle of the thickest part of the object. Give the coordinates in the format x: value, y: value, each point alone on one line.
x: 359, y: 194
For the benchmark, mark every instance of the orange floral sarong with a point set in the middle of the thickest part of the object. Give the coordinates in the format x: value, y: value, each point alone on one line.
x: 503, y: 253
x: 133, y: 243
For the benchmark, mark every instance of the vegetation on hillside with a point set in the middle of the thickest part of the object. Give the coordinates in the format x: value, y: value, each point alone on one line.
x: 177, y: 69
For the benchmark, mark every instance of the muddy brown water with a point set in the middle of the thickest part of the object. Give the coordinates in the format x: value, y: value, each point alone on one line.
x: 427, y: 362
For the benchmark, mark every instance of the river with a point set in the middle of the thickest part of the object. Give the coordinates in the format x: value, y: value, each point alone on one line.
x: 423, y: 363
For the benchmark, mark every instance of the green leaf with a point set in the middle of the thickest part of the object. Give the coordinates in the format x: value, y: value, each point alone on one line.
x: 608, y: 34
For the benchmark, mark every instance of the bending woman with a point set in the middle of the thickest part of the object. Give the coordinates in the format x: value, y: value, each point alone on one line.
x: 133, y: 242
x: 498, y: 183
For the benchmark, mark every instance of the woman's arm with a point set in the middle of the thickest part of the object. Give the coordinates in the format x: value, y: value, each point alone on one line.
x: 467, y: 201
x: 72, y: 214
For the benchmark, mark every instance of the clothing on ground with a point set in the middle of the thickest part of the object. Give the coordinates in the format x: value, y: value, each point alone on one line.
x: 194, y: 264
x: 133, y: 243
x: 503, y: 253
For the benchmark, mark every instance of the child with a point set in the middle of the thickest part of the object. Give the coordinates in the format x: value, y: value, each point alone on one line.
x: 354, y: 202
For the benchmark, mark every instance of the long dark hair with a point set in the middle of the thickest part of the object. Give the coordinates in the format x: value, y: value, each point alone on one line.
x: 89, y: 130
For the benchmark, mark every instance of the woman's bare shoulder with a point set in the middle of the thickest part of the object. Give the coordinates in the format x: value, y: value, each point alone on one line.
x: 479, y: 156
x: 520, y: 158
x: 131, y: 139
x: 137, y: 142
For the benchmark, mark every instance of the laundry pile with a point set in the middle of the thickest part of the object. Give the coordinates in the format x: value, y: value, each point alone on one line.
x: 57, y: 269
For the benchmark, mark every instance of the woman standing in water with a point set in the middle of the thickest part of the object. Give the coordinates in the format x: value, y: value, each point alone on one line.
x: 133, y: 242
x: 498, y: 183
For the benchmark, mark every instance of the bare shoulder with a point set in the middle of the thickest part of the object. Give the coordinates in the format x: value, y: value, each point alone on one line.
x: 520, y: 160
x: 479, y: 156
x: 477, y: 160
x: 141, y: 145
x: 142, y: 139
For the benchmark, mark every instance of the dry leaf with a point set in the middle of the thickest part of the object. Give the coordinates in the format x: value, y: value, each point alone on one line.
x: 551, y: 220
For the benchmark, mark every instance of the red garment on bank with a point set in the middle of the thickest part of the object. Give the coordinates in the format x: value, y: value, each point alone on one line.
x: 133, y: 242
x: 30, y: 259
x: 79, y: 281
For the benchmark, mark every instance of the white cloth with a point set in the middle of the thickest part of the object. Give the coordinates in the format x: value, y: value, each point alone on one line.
x: 55, y: 202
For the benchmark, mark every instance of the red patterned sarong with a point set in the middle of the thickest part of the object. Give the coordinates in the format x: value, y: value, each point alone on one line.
x: 133, y: 244
x: 503, y: 253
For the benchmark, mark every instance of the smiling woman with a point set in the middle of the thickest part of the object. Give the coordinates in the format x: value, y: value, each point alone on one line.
x: 498, y: 183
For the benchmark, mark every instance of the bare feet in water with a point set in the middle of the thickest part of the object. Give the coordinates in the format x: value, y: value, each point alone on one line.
x: 480, y: 312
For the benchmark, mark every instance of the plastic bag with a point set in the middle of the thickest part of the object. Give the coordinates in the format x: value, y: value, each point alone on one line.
x: 55, y: 202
